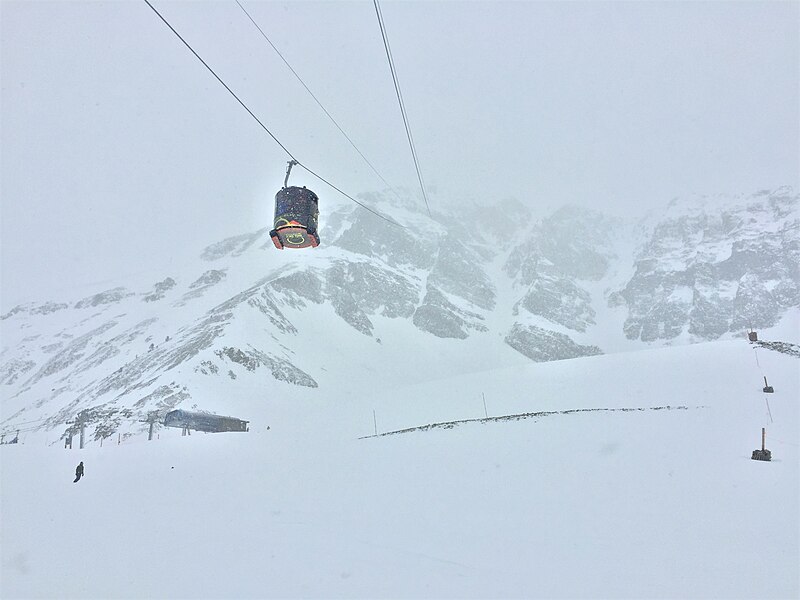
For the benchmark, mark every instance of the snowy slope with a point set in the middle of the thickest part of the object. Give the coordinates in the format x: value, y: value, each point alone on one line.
x: 655, y: 503
x: 378, y: 306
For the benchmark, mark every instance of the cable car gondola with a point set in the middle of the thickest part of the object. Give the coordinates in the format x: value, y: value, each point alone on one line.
x: 296, y: 216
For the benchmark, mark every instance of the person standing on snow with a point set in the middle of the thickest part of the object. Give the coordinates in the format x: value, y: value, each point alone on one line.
x: 78, y: 472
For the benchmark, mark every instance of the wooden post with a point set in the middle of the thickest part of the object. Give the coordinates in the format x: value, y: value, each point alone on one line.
x: 763, y: 438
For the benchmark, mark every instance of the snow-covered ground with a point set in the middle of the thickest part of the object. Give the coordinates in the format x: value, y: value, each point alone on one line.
x: 635, y: 504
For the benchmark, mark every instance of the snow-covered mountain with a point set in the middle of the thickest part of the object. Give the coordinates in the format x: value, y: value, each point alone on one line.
x: 380, y: 305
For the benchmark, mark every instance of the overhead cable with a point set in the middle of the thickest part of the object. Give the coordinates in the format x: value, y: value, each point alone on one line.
x: 402, y: 104
x: 264, y: 127
x: 303, y: 83
x: 33, y: 421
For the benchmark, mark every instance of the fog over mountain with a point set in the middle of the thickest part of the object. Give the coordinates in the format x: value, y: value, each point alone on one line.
x: 122, y: 153
x: 380, y: 305
x: 521, y: 364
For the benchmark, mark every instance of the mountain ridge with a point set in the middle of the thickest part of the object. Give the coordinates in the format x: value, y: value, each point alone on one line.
x: 412, y: 300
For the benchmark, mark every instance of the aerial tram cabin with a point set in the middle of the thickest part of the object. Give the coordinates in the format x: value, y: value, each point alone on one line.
x: 296, y: 216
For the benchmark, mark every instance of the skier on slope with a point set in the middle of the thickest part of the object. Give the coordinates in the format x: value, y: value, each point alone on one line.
x: 78, y: 472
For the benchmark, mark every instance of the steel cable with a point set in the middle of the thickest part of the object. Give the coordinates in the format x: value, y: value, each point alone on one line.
x: 402, y: 104
x: 264, y: 127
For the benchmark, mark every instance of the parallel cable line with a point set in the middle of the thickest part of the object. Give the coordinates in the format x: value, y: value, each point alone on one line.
x: 402, y: 104
x: 33, y: 421
x: 264, y: 127
x: 303, y: 83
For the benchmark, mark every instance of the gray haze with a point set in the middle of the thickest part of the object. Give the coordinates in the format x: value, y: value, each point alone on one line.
x: 121, y: 153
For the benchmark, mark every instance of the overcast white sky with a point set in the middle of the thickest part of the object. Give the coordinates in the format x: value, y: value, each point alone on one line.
x: 121, y: 153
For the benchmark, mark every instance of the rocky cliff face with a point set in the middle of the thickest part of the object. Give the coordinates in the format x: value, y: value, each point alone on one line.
x: 561, y: 254
x: 713, y: 271
x: 523, y: 290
